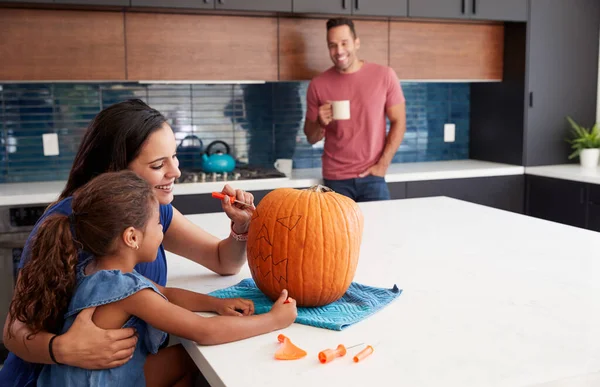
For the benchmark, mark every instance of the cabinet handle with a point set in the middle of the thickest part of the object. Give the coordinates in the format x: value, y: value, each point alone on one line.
x: 344, y: 4
x: 474, y: 7
x: 462, y: 7
x: 531, y: 99
x: 356, y: 5
x: 206, y: 1
x: 221, y: 1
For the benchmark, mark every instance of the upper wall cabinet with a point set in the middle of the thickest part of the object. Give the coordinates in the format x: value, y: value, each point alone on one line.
x: 457, y: 51
x: 352, y: 7
x: 505, y: 10
x: 201, y: 47
x: 303, y: 49
x: 255, y: 5
x: 124, y: 3
x: 61, y: 45
x: 28, y: 1
x: 196, y: 4
x: 233, y: 5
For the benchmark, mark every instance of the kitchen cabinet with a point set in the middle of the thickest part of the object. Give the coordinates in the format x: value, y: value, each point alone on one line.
x: 443, y: 9
x: 255, y: 5
x: 503, y: 192
x: 28, y: 1
x: 205, y: 203
x: 397, y: 190
x: 124, y: 3
x: 562, y: 74
x: 505, y: 10
x: 201, y: 47
x: 353, y: 7
x: 323, y: 6
x: 550, y: 72
x: 303, y: 50
x: 196, y: 4
x: 236, y: 5
x: 557, y: 200
x: 61, y: 45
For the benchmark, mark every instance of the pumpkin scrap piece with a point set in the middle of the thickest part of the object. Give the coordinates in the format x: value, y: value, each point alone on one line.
x: 287, y: 350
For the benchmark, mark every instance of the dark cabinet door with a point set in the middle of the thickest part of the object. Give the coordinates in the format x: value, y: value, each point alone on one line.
x: 28, y: 1
x: 503, y: 192
x: 124, y: 3
x: 323, y: 6
x: 557, y: 200
x: 255, y: 5
x: 198, y: 4
x: 505, y: 10
x: 445, y: 9
x: 397, y: 190
x: 562, y: 73
x: 594, y: 217
x: 380, y: 7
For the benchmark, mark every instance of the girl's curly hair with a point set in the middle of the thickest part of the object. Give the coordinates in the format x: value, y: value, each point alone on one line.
x: 102, y: 210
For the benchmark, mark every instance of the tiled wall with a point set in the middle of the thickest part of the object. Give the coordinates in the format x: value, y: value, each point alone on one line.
x: 261, y: 122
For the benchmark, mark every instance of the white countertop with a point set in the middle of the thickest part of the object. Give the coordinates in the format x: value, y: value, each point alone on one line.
x: 490, y: 298
x: 47, y: 192
x: 572, y: 172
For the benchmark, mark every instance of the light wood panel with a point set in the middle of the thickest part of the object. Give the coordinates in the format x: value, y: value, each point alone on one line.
x: 199, y: 47
x: 422, y: 50
x: 303, y: 49
x: 61, y: 45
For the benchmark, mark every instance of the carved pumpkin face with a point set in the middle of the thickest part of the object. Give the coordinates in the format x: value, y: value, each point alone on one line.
x: 305, y: 241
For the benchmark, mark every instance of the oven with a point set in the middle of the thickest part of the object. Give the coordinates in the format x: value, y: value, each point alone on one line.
x: 16, y: 222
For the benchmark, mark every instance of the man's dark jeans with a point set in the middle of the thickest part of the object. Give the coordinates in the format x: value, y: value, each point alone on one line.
x: 361, y: 189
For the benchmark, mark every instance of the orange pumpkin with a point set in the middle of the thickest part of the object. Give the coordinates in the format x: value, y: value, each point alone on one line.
x: 305, y: 241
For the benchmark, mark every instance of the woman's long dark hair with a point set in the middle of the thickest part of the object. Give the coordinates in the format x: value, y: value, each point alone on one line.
x: 112, y: 140
x: 102, y: 210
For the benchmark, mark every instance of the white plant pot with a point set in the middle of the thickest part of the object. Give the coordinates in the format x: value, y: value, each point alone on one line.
x: 589, y: 158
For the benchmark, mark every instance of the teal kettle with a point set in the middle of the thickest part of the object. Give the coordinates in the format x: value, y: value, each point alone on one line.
x: 217, y: 161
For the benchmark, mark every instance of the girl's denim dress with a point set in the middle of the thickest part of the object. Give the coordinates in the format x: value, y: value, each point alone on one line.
x: 101, y: 288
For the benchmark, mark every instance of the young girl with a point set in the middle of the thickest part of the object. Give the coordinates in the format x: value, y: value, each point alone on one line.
x: 116, y: 220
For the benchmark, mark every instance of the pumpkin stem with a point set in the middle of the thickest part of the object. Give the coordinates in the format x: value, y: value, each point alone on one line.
x: 320, y: 188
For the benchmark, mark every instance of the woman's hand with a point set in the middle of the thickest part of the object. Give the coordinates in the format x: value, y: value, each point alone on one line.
x: 238, y: 213
x: 234, y: 307
x: 86, y: 346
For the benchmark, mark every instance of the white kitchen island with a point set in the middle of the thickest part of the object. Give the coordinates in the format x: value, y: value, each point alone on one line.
x: 490, y: 298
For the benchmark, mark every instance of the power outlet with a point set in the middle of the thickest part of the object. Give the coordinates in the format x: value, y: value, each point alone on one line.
x: 50, y: 141
x: 449, y: 132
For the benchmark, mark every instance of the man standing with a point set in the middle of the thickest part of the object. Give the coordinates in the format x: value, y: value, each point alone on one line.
x: 357, y: 151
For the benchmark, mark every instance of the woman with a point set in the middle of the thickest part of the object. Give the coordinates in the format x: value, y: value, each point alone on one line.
x: 127, y: 135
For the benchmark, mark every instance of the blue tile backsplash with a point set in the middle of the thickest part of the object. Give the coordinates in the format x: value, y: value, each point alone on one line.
x: 260, y: 122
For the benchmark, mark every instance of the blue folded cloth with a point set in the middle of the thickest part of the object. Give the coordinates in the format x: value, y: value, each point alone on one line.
x: 358, y: 303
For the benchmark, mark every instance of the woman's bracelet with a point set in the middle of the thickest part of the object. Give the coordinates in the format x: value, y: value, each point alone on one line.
x: 238, y: 237
x: 51, y: 351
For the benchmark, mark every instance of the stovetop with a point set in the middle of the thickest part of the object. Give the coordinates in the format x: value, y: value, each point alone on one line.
x: 241, y: 172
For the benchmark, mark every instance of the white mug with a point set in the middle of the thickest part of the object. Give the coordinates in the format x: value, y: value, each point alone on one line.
x: 284, y: 166
x: 341, y: 110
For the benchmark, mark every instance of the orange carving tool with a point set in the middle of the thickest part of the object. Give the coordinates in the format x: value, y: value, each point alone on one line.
x: 288, y: 351
x: 328, y: 355
x: 363, y: 354
x: 219, y: 195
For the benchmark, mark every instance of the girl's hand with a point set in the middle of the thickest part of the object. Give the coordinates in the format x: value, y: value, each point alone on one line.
x: 285, y: 313
x: 234, y: 307
x: 238, y: 213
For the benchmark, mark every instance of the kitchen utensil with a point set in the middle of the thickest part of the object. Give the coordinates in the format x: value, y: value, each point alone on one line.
x: 218, y: 161
x: 190, y: 156
x: 328, y: 355
x: 363, y: 354
x: 219, y: 195
x: 287, y: 350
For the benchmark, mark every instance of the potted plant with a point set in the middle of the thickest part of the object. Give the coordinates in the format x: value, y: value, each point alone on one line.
x: 585, y: 144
